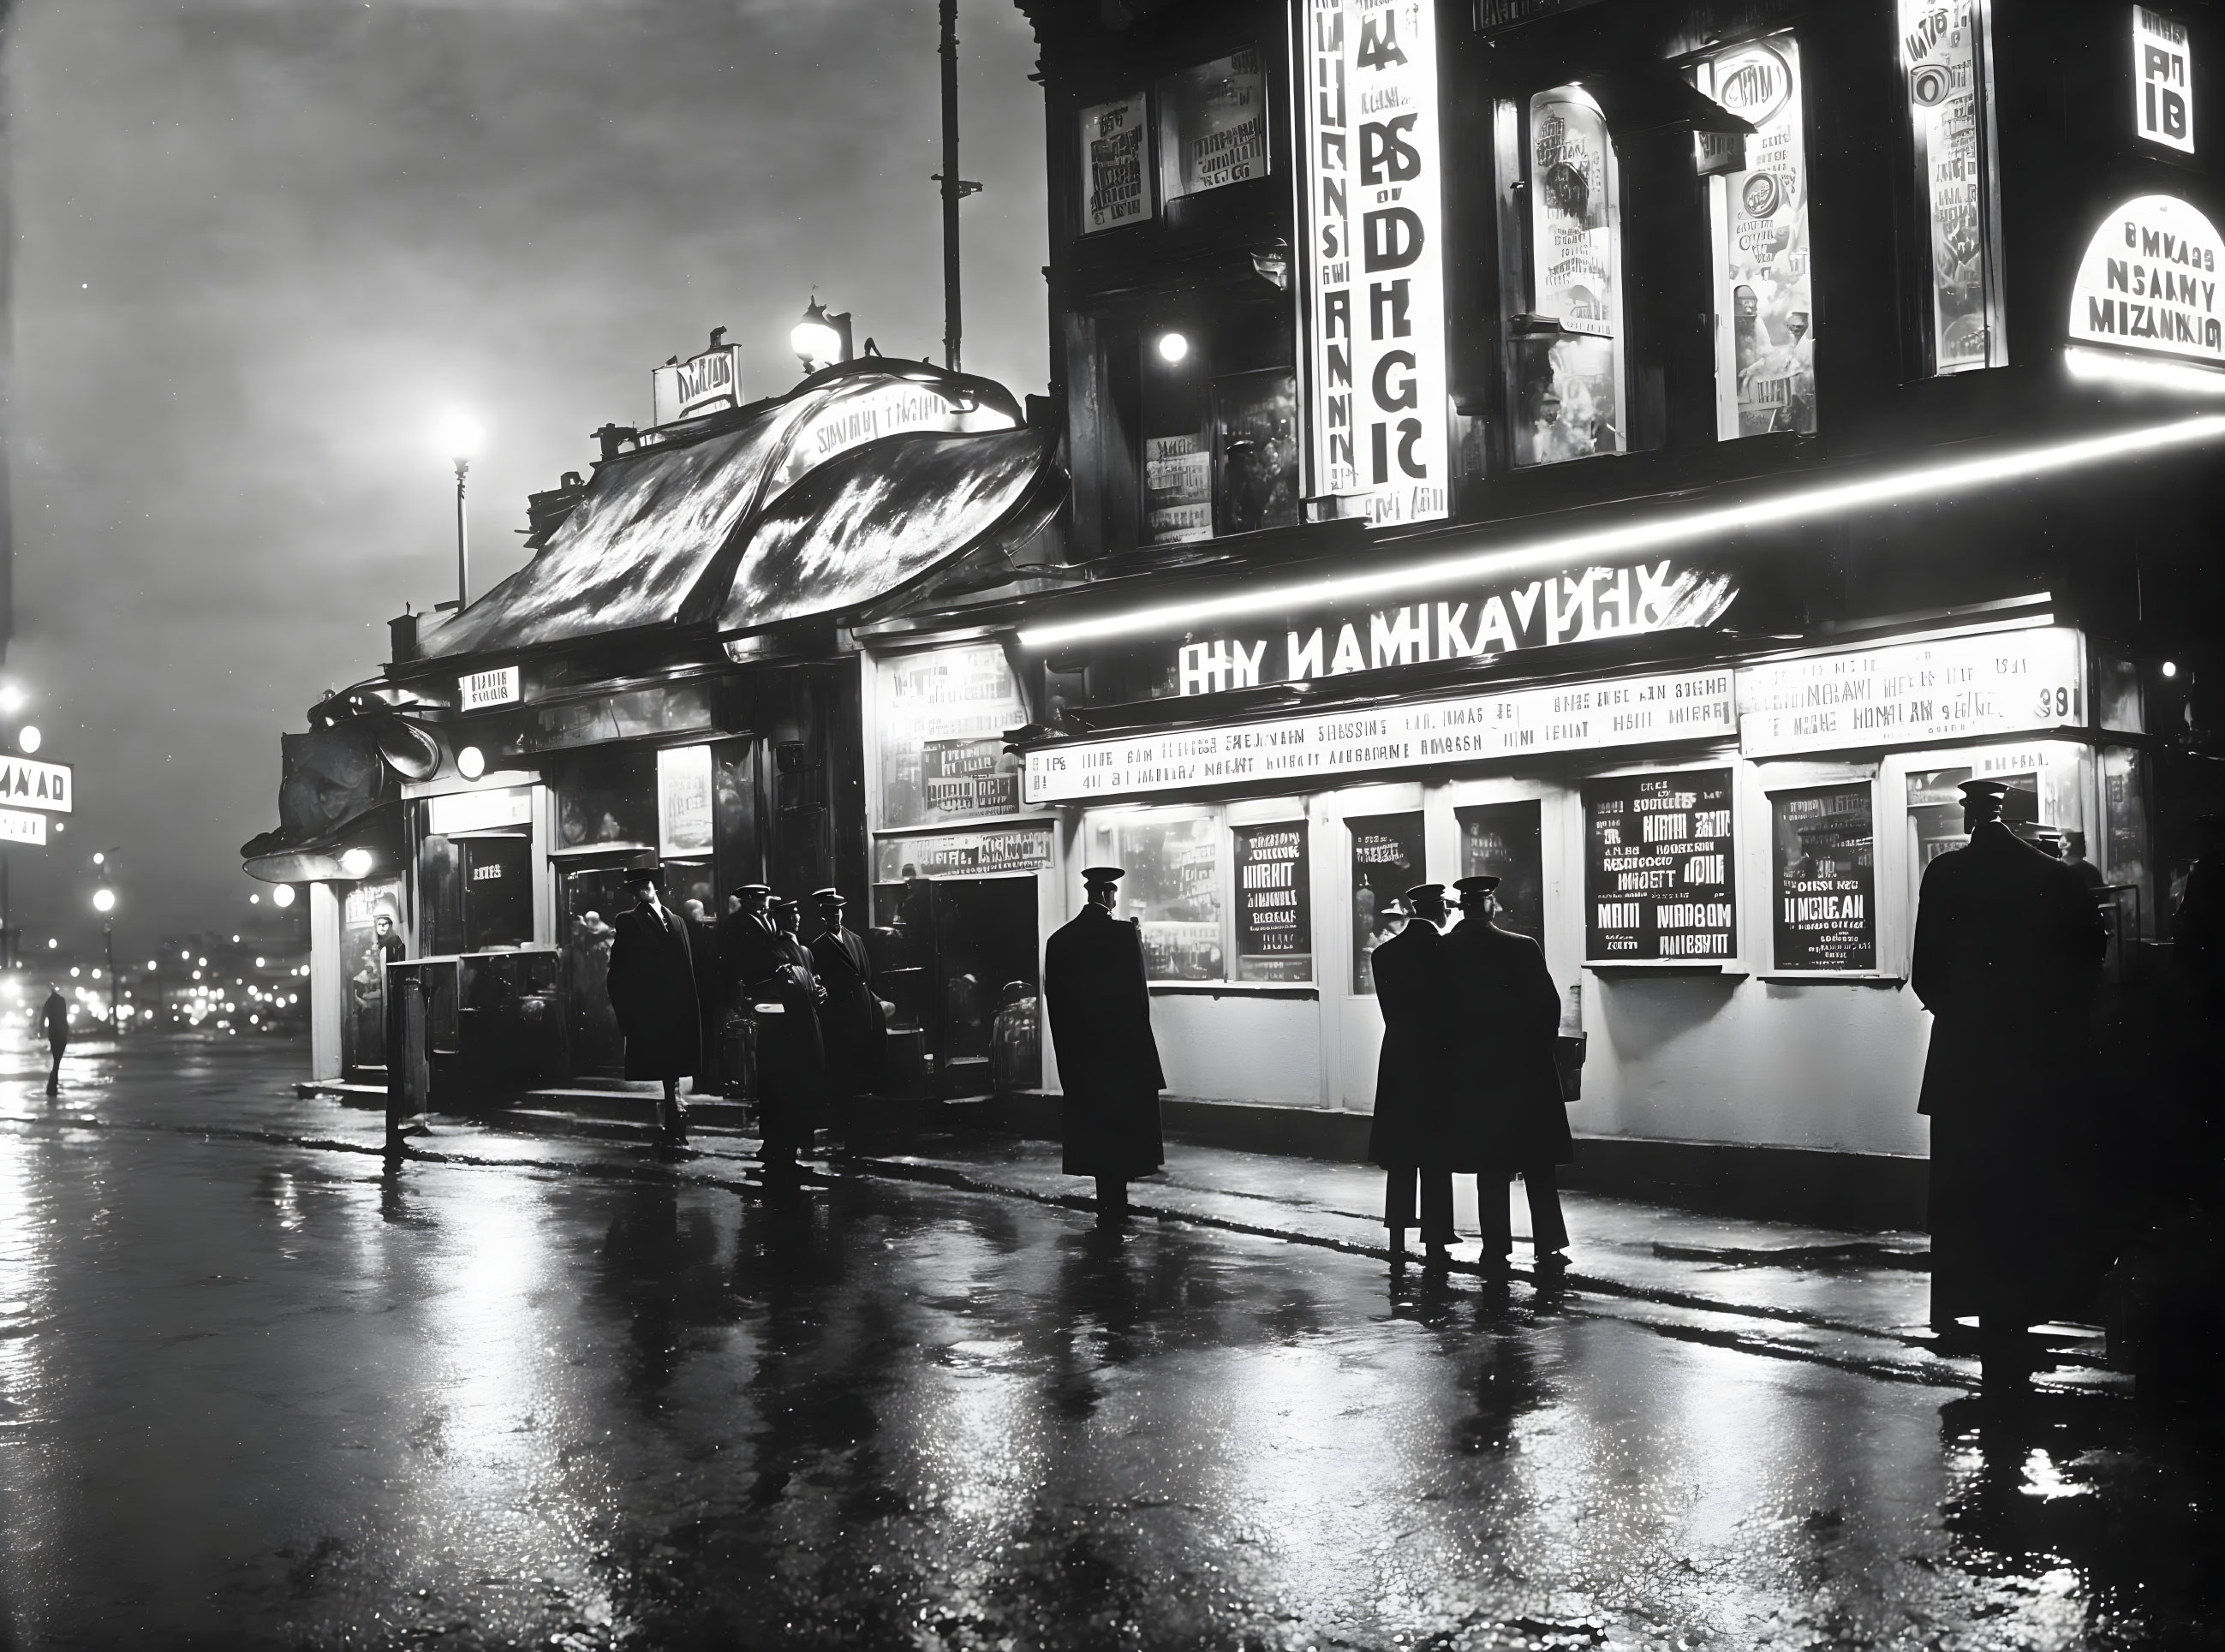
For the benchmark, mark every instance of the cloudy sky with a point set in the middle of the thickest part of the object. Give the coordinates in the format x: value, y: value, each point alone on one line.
x: 262, y: 246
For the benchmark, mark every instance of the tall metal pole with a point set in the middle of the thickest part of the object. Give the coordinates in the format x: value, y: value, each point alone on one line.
x: 954, y: 191
x: 108, y: 933
x: 463, y: 541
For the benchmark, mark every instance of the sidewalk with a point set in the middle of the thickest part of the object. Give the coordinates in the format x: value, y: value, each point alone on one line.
x: 1858, y: 1301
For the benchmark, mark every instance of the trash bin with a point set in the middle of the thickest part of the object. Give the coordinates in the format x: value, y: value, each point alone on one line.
x: 409, y: 1061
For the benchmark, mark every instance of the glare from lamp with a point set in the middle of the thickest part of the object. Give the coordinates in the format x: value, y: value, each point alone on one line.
x: 103, y: 900
x: 29, y: 739
x: 2170, y: 667
x: 1173, y: 347
x: 283, y: 896
x: 470, y: 762
x: 2135, y: 373
x: 357, y: 862
x: 459, y: 437
x: 12, y: 698
x: 814, y: 339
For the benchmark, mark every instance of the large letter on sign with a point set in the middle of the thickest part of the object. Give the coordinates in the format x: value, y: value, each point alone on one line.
x: 1394, y: 238
x: 1386, y: 156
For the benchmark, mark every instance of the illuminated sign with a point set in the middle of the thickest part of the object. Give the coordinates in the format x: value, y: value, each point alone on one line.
x: 684, y: 800
x: 1945, y: 51
x: 2163, y: 110
x: 964, y: 854
x: 866, y: 410
x: 705, y: 383
x: 29, y: 783
x: 1365, y: 743
x: 2149, y: 281
x: 477, y: 690
x: 1956, y: 688
x: 453, y: 812
x: 21, y: 826
x: 1376, y: 313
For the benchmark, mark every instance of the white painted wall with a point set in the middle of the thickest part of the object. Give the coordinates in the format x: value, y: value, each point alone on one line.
x: 327, y: 982
x: 1239, y: 1046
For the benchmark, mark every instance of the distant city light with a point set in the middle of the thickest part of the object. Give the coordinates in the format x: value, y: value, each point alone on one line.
x: 2170, y: 667
x: 255, y: 900
x: 103, y: 900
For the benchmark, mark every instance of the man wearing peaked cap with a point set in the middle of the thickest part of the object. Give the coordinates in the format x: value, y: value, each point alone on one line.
x: 1415, y: 1133
x: 851, y: 1021
x: 2007, y: 955
x: 1509, y: 1014
x: 1095, y: 990
x: 652, y: 988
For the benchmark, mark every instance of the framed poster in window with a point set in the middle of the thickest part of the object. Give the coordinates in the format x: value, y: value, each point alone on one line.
x: 1823, y: 849
x: 1658, y: 862
x: 1947, y: 69
x: 1503, y: 840
x: 1213, y: 126
x: 939, y: 719
x: 1387, y: 858
x: 1173, y: 888
x: 1567, y: 352
x: 1274, y: 902
x: 1255, y: 423
x: 1115, y: 175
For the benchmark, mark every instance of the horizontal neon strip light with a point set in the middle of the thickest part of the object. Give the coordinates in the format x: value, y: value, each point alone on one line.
x: 2100, y: 367
x: 1932, y: 482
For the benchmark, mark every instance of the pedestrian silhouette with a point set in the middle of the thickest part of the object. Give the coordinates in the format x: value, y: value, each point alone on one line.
x: 1108, y: 1063
x: 2007, y: 956
x: 1413, y: 1133
x: 652, y: 988
x: 55, y: 1015
x: 850, y: 1023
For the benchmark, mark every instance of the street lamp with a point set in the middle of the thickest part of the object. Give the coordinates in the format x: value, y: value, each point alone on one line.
x: 460, y: 437
x: 283, y: 896
x: 104, y: 902
x: 820, y: 340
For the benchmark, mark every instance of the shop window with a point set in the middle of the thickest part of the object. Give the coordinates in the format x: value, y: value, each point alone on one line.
x: 608, y: 802
x: 1274, y: 902
x: 1568, y: 370
x: 2125, y: 859
x: 1213, y: 126
x: 939, y: 720
x: 1946, y: 60
x: 1116, y: 155
x: 1658, y: 868
x: 497, y: 892
x: 1219, y: 415
x: 1935, y: 808
x: 1505, y: 841
x: 1824, y: 853
x: 371, y: 939
x: 440, y: 896
x: 683, y: 801
x: 1173, y: 890
x: 1387, y: 859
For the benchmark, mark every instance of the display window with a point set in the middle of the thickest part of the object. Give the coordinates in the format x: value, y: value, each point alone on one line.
x: 1388, y: 854
x: 1824, y: 862
x: 1569, y: 368
x: 683, y: 801
x: 2052, y: 785
x: 1505, y: 841
x: 1273, y: 901
x: 1174, y: 888
x: 1213, y: 126
x: 1116, y: 163
x: 1764, y: 302
x: 939, y: 722
x: 1946, y: 57
x: 371, y: 939
x: 1217, y: 400
x: 608, y: 801
x: 1659, y: 868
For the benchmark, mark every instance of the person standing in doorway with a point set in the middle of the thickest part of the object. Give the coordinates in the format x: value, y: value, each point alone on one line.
x: 54, y: 1015
x: 1415, y: 1079
x: 851, y: 1023
x: 791, y: 1058
x: 1508, y: 1012
x: 2007, y: 960
x: 1095, y: 990
x: 652, y: 988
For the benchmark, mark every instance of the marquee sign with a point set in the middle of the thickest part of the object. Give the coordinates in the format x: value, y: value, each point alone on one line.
x: 705, y: 383
x: 477, y: 690
x: 2149, y: 281
x: 2162, y: 58
x: 1374, y: 273
x: 28, y: 783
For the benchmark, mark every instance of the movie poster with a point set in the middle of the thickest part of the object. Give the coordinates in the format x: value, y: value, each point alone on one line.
x: 1657, y: 868
x: 1826, y: 860
x: 1569, y: 390
x: 1387, y: 859
x: 1274, y: 904
x: 1113, y: 190
x: 1178, y: 489
x: 940, y: 721
x: 1213, y: 126
x: 1942, y: 53
x: 1762, y: 253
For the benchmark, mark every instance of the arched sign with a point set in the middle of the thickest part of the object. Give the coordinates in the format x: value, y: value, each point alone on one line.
x: 2149, y: 281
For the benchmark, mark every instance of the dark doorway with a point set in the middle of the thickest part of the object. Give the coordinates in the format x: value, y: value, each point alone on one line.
x: 967, y: 977
x: 593, y: 896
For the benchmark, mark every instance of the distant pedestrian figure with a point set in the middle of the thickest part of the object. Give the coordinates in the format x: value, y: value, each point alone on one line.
x: 791, y: 1057
x: 1411, y: 1136
x: 850, y: 1022
x: 1508, y: 1013
x: 652, y: 988
x: 1108, y: 1063
x: 2007, y: 955
x: 55, y: 1015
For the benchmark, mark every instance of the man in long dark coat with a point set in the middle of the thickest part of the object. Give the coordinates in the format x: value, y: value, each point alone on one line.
x: 1413, y: 1134
x: 54, y: 1016
x: 652, y: 988
x: 2007, y: 956
x: 1508, y: 1013
x: 851, y: 1022
x: 1101, y: 1027
x: 791, y: 1058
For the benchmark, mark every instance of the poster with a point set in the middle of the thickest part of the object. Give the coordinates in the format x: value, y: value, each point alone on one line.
x: 1825, y: 853
x: 683, y: 801
x: 2149, y: 281
x: 1213, y: 126
x: 1657, y: 868
x: 964, y: 854
x: 1255, y: 422
x: 1568, y: 385
x: 2163, y: 60
x: 1274, y: 904
x: 1178, y: 489
x: 1762, y: 274
x: 1112, y: 155
x: 1387, y: 860
x: 1373, y: 264
x: 1943, y: 52
x: 940, y: 720
x: 371, y: 938
x: 1173, y: 888
x: 1503, y: 840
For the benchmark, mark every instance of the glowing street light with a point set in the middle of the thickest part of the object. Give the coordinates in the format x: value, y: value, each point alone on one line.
x: 12, y: 698
x: 460, y: 437
x: 819, y: 339
x: 283, y: 896
x: 103, y: 900
x: 29, y: 739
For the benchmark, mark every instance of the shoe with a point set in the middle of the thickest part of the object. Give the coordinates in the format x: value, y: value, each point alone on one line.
x: 1553, y: 1262
x: 1437, y: 1257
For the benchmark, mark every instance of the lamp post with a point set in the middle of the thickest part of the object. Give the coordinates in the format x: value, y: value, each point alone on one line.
x: 820, y: 340
x: 104, y: 902
x: 460, y: 437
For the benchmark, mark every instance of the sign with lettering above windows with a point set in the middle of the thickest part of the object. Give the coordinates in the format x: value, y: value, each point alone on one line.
x: 2149, y: 281
x: 1375, y: 306
x: 2163, y: 83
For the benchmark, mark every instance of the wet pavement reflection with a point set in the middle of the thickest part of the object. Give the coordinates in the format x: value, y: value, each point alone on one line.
x: 263, y: 1395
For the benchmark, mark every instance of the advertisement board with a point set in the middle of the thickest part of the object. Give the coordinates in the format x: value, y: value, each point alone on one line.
x: 1115, y: 190
x: 962, y: 854
x: 1910, y: 693
x: 1274, y: 904
x: 1824, y: 854
x: 1213, y: 126
x: 2149, y: 281
x: 939, y: 722
x: 1658, y: 868
x: 683, y: 801
x: 1373, y: 269
x: 24, y: 826
x: 2163, y: 80
x: 1569, y: 389
x: 1943, y: 52
x: 477, y: 690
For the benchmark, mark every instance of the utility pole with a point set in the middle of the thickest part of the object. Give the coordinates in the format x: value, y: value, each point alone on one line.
x: 955, y: 189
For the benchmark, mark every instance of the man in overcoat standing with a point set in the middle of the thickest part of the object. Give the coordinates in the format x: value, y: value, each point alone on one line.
x: 1108, y: 1063
x: 850, y: 1022
x: 1508, y: 1013
x: 1418, y: 1133
x: 791, y: 1058
x: 53, y: 1017
x: 2007, y: 960
x: 652, y: 988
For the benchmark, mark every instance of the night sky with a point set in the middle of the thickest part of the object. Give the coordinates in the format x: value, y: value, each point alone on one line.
x: 262, y: 246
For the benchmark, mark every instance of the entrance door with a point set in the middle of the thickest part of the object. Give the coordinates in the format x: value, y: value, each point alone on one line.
x: 592, y: 898
x: 971, y: 981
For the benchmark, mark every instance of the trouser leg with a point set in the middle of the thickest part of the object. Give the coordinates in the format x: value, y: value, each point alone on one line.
x: 1111, y: 1200
x: 1399, y: 1196
x: 1437, y: 1208
x: 1494, y: 1214
x: 1548, y: 1231
x: 54, y: 1072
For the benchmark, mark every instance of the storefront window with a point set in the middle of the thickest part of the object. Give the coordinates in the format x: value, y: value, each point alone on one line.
x: 1935, y: 807
x: 1115, y: 189
x: 1825, y: 853
x: 497, y: 883
x: 1569, y: 367
x: 1213, y: 126
x: 2124, y: 820
x: 1658, y: 856
x: 1173, y: 888
x: 1946, y: 62
x: 940, y: 721
x: 1219, y: 420
x: 1764, y: 302
x: 1502, y: 840
x: 683, y: 801
x: 371, y: 938
x: 1274, y: 904
x: 608, y: 802
x: 1387, y: 860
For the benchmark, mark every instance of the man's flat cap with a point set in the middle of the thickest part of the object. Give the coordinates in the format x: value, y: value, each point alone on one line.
x: 1425, y: 892
x: 1480, y: 885
x: 1103, y: 875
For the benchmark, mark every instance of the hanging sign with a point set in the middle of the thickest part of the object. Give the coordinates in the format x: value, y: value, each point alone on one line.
x: 31, y: 784
x: 1112, y: 156
x: 1376, y: 309
x: 477, y: 690
x: 22, y: 825
x: 1572, y: 717
x: 2149, y: 281
x: 1657, y: 868
x: 1911, y: 693
x: 2163, y: 110
x: 705, y: 383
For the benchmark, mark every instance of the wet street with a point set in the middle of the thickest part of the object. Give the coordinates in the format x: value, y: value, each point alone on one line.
x: 258, y: 1388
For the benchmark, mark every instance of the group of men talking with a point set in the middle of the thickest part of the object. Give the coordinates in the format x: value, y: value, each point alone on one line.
x: 818, y: 1020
